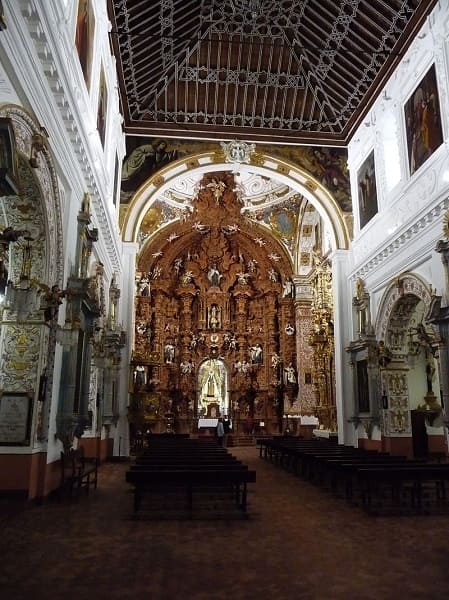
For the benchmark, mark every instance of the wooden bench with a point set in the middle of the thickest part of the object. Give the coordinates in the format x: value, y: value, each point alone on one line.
x: 189, y: 479
x: 378, y: 482
x: 404, y: 488
x: 186, y: 468
x: 78, y: 471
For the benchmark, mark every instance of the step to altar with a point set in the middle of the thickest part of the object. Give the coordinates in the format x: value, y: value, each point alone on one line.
x: 241, y: 440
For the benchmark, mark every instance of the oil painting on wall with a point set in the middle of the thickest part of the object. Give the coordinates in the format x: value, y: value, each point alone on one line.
x: 102, y: 108
x: 366, y: 181
x: 423, y: 121
x: 144, y: 156
x: 84, y: 36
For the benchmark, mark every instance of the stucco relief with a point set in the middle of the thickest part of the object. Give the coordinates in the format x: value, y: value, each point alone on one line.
x: 47, y: 189
x: 396, y: 307
x: 28, y: 349
x: 407, y: 284
x: 397, y: 383
x: 398, y: 422
x: 92, y: 405
x: 20, y: 358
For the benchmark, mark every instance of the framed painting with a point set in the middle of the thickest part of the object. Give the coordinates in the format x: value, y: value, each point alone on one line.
x: 362, y: 386
x: 423, y: 121
x: 15, y: 418
x: 116, y: 180
x: 102, y: 107
x: 84, y: 36
x: 8, y: 159
x: 144, y: 157
x: 366, y: 182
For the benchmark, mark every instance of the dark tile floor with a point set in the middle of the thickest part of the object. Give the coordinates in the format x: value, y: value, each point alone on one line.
x: 298, y: 543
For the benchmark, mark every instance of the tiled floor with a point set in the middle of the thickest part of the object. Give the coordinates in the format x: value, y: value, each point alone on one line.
x: 299, y: 543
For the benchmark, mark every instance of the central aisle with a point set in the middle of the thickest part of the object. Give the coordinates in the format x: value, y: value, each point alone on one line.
x: 299, y: 543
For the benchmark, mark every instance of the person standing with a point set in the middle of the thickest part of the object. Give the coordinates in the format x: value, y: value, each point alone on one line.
x: 227, y: 426
x: 220, y: 432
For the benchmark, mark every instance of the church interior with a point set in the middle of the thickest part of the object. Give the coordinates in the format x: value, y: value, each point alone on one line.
x: 238, y: 210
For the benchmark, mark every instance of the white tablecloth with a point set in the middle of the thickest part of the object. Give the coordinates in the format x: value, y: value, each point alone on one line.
x: 207, y: 423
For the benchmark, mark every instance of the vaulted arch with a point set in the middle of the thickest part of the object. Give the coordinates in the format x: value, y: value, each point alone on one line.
x: 267, y: 166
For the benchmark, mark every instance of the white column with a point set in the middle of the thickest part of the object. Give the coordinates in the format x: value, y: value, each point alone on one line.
x: 126, y: 317
x: 342, y: 333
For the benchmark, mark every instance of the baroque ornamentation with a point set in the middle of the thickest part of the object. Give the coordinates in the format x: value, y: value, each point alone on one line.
x: 210, y: 288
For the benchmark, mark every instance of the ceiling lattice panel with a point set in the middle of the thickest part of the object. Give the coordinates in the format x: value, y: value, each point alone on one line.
x: 259, y: 69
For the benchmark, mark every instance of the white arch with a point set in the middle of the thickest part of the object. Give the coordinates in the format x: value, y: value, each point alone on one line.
x: 25, y: 126
x: 407, y: 283
x: 267, y: 166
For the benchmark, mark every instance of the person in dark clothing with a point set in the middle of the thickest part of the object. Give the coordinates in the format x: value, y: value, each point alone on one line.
x: 227, y: 426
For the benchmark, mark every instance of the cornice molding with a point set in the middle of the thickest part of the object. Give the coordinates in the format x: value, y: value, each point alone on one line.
x: 407, y: 237
x: 67, y: 95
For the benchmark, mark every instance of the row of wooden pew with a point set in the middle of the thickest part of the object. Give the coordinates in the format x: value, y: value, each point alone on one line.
x: 188, y: 467
x: 378, y: 482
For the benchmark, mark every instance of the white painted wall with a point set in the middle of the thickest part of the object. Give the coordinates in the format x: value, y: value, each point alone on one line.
x: 40, y: 71
x: 404, y: 233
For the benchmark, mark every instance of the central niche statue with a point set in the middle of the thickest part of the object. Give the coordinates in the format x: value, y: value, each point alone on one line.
x: 214, y: 317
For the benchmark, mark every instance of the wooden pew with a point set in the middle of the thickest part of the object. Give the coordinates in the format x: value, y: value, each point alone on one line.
x: 190, y: 466
x: 378, y: 481
x: 400, y: 488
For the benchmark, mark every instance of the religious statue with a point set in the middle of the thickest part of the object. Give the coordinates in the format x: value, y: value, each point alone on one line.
x: 244, y: 366
x: 194, y: 341
x: 252, y: 265
x: 53, y: 299
x: 140, y: 376
x: 233, y: 344
x: 275, y: 360
x: 272, y: 275
x: 287, y: 288
x: 430, y: 372
x: 289, y: 374
x: 242, y: 278
x: 187, y: 277
x: 426, y: 339
x: 169, y: 352
x: 214, y: 317
x: 187, y: 367
x: 256, y: 353
x: 218, y: 188
x: 178, y: 264
x: 214, y: 275
x: 384, y: 354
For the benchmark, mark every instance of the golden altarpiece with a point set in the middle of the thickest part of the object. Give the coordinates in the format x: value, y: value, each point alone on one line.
x: 215, y: 322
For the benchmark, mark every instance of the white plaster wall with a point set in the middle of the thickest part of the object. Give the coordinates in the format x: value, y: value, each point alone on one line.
x: 402, y: 236
x: 40, y: 71
x: 404, y: 233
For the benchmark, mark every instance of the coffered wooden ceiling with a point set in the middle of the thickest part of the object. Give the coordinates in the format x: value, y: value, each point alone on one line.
x: 298, y: 71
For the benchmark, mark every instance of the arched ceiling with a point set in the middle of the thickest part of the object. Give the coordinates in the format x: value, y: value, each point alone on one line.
x: 215, y: 230
x: 281, y: 200
x: 292, y: 71
x: 274, y: 205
